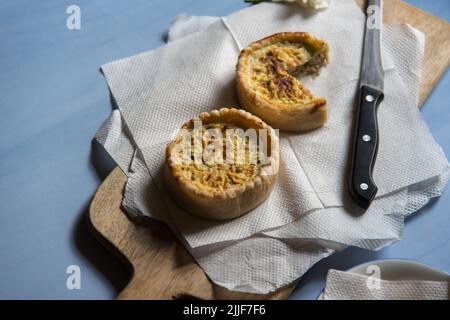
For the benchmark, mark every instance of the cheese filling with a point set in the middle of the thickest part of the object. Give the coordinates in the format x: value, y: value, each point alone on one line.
x: 215, y: 175
x: 273, y: 70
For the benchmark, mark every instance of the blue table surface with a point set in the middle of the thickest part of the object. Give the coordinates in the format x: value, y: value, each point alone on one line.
x: 52, y: 101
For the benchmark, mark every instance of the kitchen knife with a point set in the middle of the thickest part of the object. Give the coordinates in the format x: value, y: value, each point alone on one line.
x: 362, y: 187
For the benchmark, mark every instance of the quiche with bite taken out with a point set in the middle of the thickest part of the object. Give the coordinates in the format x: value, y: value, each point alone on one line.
x: 268, y: 85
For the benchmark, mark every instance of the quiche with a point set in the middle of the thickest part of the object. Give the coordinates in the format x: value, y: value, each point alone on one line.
x: 229, y: 179
x: 268, y: 85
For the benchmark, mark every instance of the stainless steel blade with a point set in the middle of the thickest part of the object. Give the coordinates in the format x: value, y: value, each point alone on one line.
x: 372, y: 73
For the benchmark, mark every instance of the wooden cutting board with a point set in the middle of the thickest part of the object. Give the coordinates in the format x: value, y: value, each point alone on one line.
x: 162, y: 268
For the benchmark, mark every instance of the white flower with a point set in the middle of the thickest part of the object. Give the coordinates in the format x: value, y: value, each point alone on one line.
x: 314, y: 4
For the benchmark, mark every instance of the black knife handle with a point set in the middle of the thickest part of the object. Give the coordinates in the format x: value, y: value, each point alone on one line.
x: 362, y: 188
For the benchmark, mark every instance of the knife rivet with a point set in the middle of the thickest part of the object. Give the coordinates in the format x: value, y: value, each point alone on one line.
x: 366, y: 138
x: 370, y: 98
x: 364, y: 186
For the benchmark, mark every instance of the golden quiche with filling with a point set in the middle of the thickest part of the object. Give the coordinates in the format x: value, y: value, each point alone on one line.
x: 216, y: 169
x: 267, y: 76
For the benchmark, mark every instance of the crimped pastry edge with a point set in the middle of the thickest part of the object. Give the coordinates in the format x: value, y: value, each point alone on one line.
x: 231, y: 202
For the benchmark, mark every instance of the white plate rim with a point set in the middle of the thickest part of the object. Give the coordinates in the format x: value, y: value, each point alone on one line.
x: 399, y: 269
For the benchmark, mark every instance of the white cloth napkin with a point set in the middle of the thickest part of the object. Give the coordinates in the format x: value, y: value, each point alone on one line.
x: 309, y: 215
x: 350, y: 286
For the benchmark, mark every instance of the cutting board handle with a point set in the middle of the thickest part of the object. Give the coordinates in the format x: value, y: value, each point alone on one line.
x: 162, y: 268
x: 174, y: 289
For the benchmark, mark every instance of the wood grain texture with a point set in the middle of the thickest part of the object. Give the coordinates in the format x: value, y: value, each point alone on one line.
x: 162, y: 268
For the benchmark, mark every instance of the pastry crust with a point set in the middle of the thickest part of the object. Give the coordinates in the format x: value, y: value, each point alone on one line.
x: 235, y: 189
x: 267, y: 75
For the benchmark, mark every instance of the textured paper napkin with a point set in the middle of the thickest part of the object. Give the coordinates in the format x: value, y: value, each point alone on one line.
x: 349, y: 286
x: 278, y: 253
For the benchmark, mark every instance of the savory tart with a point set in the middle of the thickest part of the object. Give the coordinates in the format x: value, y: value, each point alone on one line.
x: 228, y: 186
x: 268, y: 85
